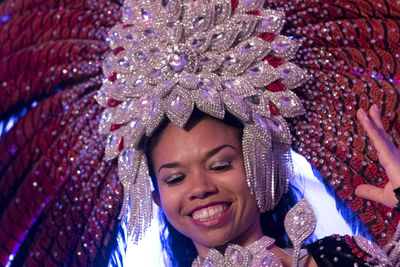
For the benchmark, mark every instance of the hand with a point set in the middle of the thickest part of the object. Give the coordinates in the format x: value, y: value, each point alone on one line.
x: 389, y: 157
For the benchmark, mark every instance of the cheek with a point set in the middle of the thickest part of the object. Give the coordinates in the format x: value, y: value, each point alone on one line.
x: 170, y: 202
x: 238, y: 185
x: 237, y: 181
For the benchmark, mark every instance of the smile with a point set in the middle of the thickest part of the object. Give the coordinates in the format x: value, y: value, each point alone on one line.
x: 209, y: 212
x: 210, y: 215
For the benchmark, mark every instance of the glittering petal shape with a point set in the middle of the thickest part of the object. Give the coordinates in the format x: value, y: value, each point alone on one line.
x: 209, y: 101
x: 129, y: 86
x: 223, y: 37
x: 113, y: 142
x: 232, y: 63
x: 255, y: 254
x: 124, y: 112
x: 179, y: 106
x: 122, y: 63
x: 189, y: 80
x: 250, y: 5
x: 169, y: 9
x: 106, y: 121
x: 238, y: 85
x: 279, y: 130
x: 102, y: 96
x: 287, y: 102
x: 132, y: 12
x: 271, y: 21
x: 254, y: 48
x: 292, y: 76
x: 209, y: 82
x: 173, y: 31
x: 115, y: 36
x: 196, y: 16
x: 191, y: 60
x: 157, y: 75
x: 237, y: 60
x: 154, y: 116
x: 214, y: 258
x: 199, y: 42
x: 128, y: 165
x: 299, y: 224
x: 134, y: 131
x: 165, y: 87
x: 106, y: 66
x: 246, y: 25
x: 222, y: 11
x: 236, y: 105
x: 210, y: 62
x: 284, y: 47
x: 127, y: 37
x: 261, y: 74
x: 237, y: 255
x: 258, y: 104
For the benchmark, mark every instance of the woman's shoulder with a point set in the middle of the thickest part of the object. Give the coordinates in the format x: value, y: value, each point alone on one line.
x: 345, y: 251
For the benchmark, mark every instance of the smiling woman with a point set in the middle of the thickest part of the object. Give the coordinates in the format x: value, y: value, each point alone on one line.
x: 204, y: 193
x: 198, y: 94
x: 208, y: 96
x: 201, y: 186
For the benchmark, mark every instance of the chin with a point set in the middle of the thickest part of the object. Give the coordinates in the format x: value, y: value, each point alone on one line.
x: 214, y: 239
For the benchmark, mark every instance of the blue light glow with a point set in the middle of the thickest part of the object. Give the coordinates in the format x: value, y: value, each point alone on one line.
x: 5, y: 18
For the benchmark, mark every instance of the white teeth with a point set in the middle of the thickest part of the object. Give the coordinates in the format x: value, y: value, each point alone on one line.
x: 212, y: 212
x: 209, y: 212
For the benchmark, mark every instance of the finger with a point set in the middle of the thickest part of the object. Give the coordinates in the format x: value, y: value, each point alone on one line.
x: 373, y: 131
x: 371, y: 192
x: 389, y: 155
x: 376, y: 117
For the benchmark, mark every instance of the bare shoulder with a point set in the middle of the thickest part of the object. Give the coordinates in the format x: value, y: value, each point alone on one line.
x: 308, y: 261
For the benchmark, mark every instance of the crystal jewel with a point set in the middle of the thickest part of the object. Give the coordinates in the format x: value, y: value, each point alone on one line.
x: 206, y: 84
x: 177, y: 103
x: 235, y: 255
x: 198, y: 22
x: 169, y: 56
x: 299, y: 224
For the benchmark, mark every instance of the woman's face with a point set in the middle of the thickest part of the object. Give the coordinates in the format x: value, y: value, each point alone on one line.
x: 202, y: 184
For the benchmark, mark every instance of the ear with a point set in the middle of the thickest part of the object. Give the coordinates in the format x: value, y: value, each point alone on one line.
x: 156, y: 198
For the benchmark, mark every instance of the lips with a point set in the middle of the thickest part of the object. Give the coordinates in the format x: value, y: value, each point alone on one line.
x: 211, y: 214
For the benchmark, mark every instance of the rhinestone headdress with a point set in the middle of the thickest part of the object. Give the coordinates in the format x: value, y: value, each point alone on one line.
x: 218, y: 55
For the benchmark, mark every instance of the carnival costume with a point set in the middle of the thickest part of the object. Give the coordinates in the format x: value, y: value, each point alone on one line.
x: 59, y: 168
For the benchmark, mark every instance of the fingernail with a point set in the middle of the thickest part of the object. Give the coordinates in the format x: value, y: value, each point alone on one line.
x: 376, y: 108
x: 362, y: 112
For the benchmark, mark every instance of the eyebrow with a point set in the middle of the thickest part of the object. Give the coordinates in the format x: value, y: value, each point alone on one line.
x: 208, y: 155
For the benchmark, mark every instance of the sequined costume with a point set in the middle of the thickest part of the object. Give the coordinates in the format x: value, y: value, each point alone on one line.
x: 54, y: 180
x: 339, y: 251
x: 335, y: 250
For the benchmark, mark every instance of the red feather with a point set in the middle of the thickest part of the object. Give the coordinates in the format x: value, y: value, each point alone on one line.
x: 52, y: 168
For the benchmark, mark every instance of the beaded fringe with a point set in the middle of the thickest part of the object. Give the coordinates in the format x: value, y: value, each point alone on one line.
x: 137, y: 200
x: 268, y: 167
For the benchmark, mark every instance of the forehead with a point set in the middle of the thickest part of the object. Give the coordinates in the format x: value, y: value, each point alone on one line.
x: 200, y: 136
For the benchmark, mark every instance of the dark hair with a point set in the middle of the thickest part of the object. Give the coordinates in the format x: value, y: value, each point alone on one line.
x: 179, y: 248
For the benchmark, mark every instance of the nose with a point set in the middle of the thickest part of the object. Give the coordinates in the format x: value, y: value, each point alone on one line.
x: 201, y: 186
